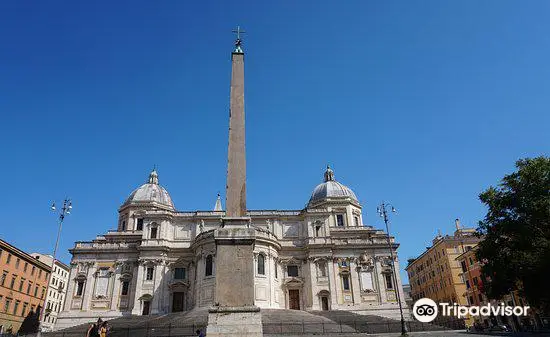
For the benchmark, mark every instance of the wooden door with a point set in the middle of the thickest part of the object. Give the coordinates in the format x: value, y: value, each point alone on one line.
x: 324, y: 303
x: 294, y: 299
x: 177, y: 301
x: 146, y: 307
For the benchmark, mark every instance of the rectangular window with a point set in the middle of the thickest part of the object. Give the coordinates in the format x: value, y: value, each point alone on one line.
x: 17, y: 263
x: 35, y: 291
x: 12, y: 283
x: 463, y: 265
x: 179, y: 273
x: 322, y: 269
x: 275, y: 268
x: 7, y: 305
x: 389, y: 283
x: 154, y: 232
x: 345, y: 282
x: 32, y: 270
x: 8, y: 259
x: 149, y: 273
x: 40, y: 273
x: 15, y: 307
x: 356, y: 220
x: 25, y: 267
x: 79, y: 288
x: 29, y: 286
x: 292, y: 271
x: 139, y: 226
x: 24, y: 310
x: 21, y: 283
x: 125, y: 287
x: 43, y: 293
x: 3, y: 278
x: 340, y: 220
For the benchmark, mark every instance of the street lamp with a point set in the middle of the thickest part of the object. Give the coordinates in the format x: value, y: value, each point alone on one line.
x: 65, y: 210
x: 382, y: 211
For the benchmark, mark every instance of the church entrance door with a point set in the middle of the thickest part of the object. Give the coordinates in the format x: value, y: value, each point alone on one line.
x: 177, y: 301
x: 324, y: 303
x: 146, y: 307
x: 294, y: 299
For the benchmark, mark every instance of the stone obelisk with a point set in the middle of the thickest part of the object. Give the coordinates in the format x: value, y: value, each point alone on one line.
x: 236, y: 154
x: 234, y: 313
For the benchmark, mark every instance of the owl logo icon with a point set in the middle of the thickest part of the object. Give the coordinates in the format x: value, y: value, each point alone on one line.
x: 425, y: 310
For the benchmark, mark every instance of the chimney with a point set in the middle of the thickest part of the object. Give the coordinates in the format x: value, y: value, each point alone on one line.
x: 457, y: 224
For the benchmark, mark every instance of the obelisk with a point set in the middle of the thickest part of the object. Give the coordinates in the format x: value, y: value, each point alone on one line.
x: 234, y: 312
x: 236, y: 154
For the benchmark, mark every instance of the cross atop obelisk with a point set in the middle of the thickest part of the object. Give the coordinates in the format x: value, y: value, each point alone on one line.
x: 236, y: 162
x: 238, y: 41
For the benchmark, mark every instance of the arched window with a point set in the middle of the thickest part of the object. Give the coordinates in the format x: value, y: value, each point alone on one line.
x: 209, y: 265
x: 261, y: 264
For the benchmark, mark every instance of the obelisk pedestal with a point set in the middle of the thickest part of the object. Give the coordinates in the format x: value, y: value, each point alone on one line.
x: 234, y: 312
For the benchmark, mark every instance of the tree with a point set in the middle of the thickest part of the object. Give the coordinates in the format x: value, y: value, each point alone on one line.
x: 515, y: 250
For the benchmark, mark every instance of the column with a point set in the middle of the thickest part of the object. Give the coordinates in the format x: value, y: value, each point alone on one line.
x: 139, y: 281
x: 381, y: 282
x: 70, y: 287
x: 336, y: 285
x: 116, y: 288
x: 89, y: 286
x: 355, y: 284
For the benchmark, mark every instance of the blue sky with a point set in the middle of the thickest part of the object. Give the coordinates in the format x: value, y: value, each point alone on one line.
x: 423, y: 104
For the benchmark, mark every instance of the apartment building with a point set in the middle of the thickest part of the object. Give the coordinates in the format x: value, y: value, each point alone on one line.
x: 436, y: 274
x: 23, y: 283
x: 57, y: 291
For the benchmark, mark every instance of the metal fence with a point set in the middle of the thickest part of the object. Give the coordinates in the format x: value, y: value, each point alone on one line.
x: 168, y: 330
x: 285, y: 328
x: 281, y: 328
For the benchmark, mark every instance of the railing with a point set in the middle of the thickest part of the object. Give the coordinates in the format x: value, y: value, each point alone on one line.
x: 167, y: 330
x: 350, y: 327
x: 281, y: 328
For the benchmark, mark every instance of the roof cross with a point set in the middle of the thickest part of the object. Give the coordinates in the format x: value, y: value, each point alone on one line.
x: 239, y: 32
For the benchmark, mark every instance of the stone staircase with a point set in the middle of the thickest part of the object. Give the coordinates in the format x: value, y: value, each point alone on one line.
x: 174, y: 324
x: 294, y: 322
x: 275, y: 322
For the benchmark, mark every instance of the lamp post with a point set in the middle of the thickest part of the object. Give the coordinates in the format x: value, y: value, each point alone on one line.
x: 65, y: 210
x: 382, y: 211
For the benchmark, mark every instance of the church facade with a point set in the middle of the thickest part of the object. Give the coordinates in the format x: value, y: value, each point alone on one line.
x: 161, y: 260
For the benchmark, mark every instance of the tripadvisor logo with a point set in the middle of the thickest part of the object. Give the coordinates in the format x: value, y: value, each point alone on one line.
x: 425, y: 310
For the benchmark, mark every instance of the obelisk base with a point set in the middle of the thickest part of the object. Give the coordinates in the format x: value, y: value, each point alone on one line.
x: 234, y: 321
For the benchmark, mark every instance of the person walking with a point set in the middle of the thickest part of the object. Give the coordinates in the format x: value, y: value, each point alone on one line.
x: 92, y: 331
x: 103, y: 330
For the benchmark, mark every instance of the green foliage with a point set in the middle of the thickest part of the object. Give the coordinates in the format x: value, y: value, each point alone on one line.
x: 515, y: 251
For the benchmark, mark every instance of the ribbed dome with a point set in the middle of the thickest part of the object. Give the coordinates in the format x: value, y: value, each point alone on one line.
x: 151, y: 192
x: 330, y: 188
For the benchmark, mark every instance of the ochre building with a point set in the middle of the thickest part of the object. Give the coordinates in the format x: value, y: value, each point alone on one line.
x: 22, y: 286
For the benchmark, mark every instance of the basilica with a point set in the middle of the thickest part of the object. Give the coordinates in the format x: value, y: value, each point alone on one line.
x: 161, y: 260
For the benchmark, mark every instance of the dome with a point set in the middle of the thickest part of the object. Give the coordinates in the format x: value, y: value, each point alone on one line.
x: 151, y: 192
x: 330, y: 188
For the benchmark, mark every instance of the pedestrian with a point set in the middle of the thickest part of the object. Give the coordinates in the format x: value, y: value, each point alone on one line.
x: 92, y: 331
x: 199, y: 333
x: 103, y: 330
